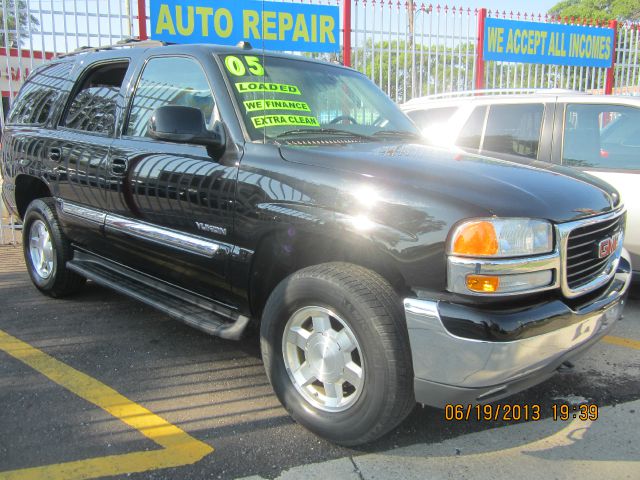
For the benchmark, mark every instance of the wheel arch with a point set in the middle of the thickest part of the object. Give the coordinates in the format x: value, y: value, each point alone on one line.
x: 27, y: 189
x: 284, y: 252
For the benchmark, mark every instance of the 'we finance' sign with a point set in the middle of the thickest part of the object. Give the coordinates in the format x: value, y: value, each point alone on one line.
x: 547, y: 43
x: 276, y: 25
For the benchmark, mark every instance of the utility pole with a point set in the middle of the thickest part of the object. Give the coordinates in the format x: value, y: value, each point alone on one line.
x: 412, y: 44
x: 127, y: 6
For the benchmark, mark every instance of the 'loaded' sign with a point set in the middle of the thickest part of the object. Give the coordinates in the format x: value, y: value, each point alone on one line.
x: 274, y: 25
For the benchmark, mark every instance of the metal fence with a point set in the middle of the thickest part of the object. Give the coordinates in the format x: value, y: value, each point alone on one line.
x: 412, y: 49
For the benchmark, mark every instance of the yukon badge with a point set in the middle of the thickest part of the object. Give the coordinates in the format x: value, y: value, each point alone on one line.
x: 205, y: 227
x: 609, y: 245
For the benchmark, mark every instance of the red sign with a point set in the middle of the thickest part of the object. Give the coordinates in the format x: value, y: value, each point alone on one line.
x: 16, y: 66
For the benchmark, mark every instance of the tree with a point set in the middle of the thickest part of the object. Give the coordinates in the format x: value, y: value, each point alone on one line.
x: 407, y: 70
x: 598, y: 9
x: 26, y: 22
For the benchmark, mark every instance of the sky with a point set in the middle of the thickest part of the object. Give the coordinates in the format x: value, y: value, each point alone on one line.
x: 537, y: 6
x: 109, y: 31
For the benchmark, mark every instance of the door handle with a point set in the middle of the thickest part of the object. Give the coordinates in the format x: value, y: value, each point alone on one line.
x: 55, y: 154
x: 119, y: 166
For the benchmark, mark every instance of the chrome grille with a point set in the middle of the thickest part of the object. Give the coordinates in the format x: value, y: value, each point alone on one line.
x: 582, y: 262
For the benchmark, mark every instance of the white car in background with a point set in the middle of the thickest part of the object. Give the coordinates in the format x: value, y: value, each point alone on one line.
x: 598, y: 134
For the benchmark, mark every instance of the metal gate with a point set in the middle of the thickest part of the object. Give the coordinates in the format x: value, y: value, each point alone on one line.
x: 412, y: 49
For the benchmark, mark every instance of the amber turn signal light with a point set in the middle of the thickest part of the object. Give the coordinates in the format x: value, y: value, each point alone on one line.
x: 475, y: 238
x: 483, y: 283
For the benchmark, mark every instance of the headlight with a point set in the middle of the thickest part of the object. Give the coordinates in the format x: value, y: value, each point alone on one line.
x: 496, y: 237
x: 501, y: 256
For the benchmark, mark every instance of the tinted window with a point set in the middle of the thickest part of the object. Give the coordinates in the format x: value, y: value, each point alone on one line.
x: 602, y: 136
x: 38, y: 95
x: 186, y: 85
x: 472, y: 131
x: 426, y: 119
x: 93, y: 107
x: 513, y: 130
x: 288, y: 97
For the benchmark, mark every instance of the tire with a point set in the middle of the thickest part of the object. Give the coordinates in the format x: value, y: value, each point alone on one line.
x: 361, y: 301
x: 49, y: 275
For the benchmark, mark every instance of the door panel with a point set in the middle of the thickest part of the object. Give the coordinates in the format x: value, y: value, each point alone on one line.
x: 80, y: 148
x: 172, y: 206
x: 168, y: 190
x: 82, y: 174
x: 603, y: 139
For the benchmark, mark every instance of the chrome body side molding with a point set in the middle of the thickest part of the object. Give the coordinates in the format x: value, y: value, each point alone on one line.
x: 162, y: 236
x: 143, y: 230
x: 79, y: 211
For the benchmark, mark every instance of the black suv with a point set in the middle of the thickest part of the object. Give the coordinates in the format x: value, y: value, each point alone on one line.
x: 233, y: 188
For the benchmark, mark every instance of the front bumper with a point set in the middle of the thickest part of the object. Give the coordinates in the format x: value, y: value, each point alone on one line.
x: 451, y: 369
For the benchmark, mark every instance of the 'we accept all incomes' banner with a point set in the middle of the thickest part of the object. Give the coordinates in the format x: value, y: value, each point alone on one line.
x: 547, y: 43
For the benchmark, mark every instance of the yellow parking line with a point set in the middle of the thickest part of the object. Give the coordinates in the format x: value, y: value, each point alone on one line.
x: 179, y: 448
x: 622, y: 342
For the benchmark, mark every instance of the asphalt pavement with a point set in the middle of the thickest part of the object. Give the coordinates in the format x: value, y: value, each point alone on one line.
x: 89, y: 382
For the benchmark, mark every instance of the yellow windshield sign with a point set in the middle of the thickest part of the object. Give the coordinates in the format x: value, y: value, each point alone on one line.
x: 255, y: 105
x: 251, y: 87
x: 277, y: 120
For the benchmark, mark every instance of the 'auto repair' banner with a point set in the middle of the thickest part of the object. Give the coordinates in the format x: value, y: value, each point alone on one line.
x: 271, y: 25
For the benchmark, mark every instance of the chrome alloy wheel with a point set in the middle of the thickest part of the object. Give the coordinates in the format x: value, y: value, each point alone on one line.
x: 41, y: 249
x: 323, y: 359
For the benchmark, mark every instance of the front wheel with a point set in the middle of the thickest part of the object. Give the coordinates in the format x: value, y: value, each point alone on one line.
x: 336, y: 349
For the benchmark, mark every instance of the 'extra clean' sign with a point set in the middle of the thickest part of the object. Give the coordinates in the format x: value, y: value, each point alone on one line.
x: 274, y: 25
x: 548, y: 43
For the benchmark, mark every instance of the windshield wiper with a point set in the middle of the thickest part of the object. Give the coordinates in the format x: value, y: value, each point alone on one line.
x: 396, y: 133
x: 322, y: 131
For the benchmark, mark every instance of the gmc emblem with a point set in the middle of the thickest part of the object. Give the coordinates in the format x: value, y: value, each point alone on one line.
x: 609, y: 245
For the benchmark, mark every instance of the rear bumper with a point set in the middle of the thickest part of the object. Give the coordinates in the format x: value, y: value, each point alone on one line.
x: 453, y: 369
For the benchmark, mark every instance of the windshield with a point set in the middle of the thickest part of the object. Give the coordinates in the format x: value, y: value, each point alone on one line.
x: 282, y: 97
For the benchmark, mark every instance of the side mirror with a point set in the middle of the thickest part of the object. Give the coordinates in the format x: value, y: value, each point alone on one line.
x: 175, y: 123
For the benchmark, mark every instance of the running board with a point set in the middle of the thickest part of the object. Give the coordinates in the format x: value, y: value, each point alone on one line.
x: 196, y: 311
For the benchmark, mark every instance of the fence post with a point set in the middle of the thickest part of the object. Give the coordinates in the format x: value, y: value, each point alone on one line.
x: 479, y: 80
x: 608, y: 86
x: 142, y: 19
x: 346, y: 33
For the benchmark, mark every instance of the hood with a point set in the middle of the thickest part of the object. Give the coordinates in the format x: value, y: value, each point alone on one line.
x: 501, y: 188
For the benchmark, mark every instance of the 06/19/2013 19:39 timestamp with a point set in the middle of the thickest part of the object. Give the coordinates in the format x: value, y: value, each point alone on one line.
x: 510, y: 412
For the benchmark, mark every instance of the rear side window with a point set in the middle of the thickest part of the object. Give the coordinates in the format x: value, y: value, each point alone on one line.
x: 39, y: 94
x: 93, y: 106
x: 471, y: 133
x: 186, y: 85
x: 432, y: 118
x: 602, y: 136
x: 514, y: 130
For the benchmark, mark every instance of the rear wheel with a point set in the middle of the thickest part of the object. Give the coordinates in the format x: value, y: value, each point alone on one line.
x: 47, y: 250
x: 336, y: 350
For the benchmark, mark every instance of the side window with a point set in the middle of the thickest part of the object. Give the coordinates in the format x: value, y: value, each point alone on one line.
x: 93, y: 106
x: 185, y: 85
x: 432, y: 118
x: 514, y: 130
x: 39, y: 94
x: 471, y: 133
x: 602, y: 136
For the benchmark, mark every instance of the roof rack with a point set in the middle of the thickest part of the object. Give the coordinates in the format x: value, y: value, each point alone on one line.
x: 496, y: 91
x: 126, y: 42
